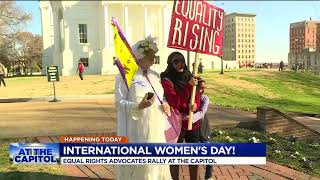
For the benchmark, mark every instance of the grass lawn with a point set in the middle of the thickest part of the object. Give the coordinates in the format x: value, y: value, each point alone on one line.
x: 38, y: 86
x: 11, y: 171
x: 287, y: 91
x: 296, y: 154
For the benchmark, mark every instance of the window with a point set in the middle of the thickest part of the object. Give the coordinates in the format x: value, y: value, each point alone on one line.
x: 157, y: 60
x: 83, y: 33
x: 85, y: 62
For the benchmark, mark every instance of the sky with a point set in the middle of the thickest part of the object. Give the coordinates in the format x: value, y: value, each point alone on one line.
x: 272, y: 22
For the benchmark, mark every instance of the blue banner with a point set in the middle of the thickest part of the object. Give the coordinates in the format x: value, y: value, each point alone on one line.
x: 164, y: 150
x: 34, y: 153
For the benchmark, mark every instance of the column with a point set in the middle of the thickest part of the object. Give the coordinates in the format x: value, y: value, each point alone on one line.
x: 68, y: 61
x: 166, y: 24
x: 56, y: 27
x: 161, y: 24
x: 57, y: 55
x: 105, y: 55
x: 126, y: 20
x: 107, y: 24
x: 146, y: 29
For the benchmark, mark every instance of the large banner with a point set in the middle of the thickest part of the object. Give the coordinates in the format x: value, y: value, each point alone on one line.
x: 197, y: 26
x: 121, y: 153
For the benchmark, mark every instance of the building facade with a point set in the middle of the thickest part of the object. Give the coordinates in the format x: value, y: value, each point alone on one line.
x: 81, y: 30
x: 239, y: 45
x: 304, y: 46
x: 308, y: 60
x: 303, y: 35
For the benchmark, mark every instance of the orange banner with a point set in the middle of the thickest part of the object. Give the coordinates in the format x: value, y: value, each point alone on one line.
x: 94, y: 139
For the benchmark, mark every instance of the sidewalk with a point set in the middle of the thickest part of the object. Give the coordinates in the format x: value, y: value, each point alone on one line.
x: 49, y: 98
x: 86, y: 114
x: 312, y: 122
x: 39, y: 118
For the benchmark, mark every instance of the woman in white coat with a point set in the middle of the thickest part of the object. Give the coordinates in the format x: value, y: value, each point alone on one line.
x: 140, y: 118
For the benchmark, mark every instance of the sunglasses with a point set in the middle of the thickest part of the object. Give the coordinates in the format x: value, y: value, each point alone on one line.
x: 176, y: 61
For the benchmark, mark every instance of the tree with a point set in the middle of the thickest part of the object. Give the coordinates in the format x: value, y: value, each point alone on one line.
x: 11, y: 18
x: 29, y: 51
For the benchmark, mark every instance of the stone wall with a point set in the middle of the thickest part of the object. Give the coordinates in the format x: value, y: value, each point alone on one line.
x: 273, y: 121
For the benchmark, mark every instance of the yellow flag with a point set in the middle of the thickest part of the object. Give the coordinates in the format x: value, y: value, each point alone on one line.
x: 125, y: 62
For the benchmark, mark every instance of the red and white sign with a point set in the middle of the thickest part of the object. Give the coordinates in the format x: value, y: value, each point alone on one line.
x: 196, y: 26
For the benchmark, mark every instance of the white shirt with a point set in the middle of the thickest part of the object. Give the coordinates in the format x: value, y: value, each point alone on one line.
x: 146, y: 125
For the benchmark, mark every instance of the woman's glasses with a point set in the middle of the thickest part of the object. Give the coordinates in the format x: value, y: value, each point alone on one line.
x: 176, y: 61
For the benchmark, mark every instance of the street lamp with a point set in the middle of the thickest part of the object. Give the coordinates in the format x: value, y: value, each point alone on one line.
x: 296, y: 63
x: 234, y: 55
x: 221, y: 72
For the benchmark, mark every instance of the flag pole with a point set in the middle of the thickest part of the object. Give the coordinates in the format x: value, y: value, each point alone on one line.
x: 193, y: 93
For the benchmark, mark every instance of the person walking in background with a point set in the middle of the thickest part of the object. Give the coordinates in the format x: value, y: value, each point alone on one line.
x: 80, y: 69
x: 200, y: 67
x: 2, y: 74
x: 281, y: 66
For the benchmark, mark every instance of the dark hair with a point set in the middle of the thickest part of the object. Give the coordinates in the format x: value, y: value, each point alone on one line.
x: 200, y: 80
x: 179, y: 79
